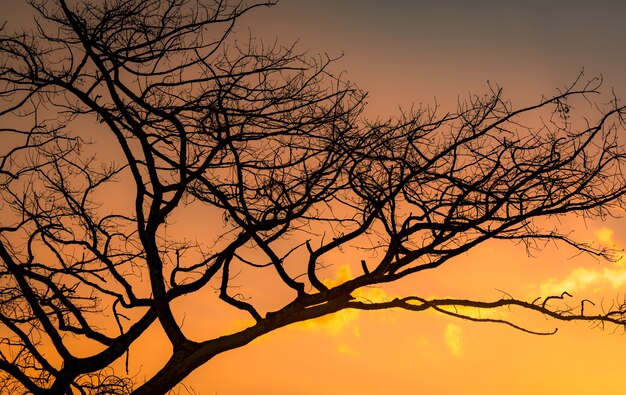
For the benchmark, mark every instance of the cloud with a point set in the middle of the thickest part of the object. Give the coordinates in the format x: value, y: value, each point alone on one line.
x: 474, y: 312
x: 583, y: 278
x: 335, y: 324
x: 579, y: 278
x: 453, y: 336
x: 370, y: 294
x: 605, y: 236
x: 344, y: 323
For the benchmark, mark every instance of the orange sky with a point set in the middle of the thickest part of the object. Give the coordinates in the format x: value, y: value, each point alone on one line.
x: 406, y: 52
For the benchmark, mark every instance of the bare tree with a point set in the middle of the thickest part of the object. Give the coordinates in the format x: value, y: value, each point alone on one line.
x: 155, y: 100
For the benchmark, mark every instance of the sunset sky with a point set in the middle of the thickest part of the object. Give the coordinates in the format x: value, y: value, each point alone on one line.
x: 405, y: 52
x: 425, y: 52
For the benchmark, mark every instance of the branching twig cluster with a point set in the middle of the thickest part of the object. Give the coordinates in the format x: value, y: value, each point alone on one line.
x: 270, y: 151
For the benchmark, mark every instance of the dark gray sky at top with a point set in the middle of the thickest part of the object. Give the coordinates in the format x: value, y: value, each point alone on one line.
x: 406, y: 51
x: 432, y: 48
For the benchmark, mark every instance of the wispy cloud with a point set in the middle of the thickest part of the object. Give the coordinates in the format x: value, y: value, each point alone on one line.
x: 454, y: 339
x: 335, y: 324
x: 343, y: 325
x: 593, y: 279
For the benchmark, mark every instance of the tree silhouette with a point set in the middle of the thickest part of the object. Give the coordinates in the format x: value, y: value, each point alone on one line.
x: 119, y: 115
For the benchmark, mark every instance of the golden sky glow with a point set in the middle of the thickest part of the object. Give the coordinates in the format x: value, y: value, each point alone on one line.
x: 430, y: 53
x: 416, y: 52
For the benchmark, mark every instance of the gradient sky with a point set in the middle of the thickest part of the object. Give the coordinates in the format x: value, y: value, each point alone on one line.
x: 413, y: 51
x: 404, y: 52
